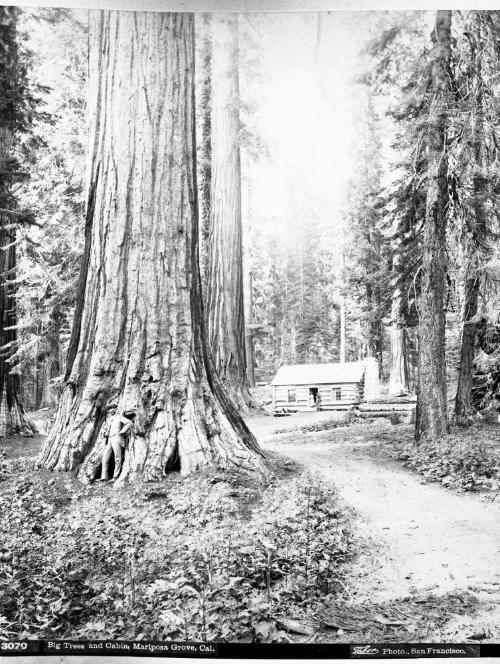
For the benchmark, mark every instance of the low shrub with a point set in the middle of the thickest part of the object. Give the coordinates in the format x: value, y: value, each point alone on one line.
x: 208, y: 558
x: 10, y: 467
x: 468, y: 460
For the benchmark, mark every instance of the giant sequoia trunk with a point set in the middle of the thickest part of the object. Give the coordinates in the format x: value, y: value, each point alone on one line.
x: 431, y: 415
x: 138, y: 336
x: 225, y: 301
x: 13, y: 420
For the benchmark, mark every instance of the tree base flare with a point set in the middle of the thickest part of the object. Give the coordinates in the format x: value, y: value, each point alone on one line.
x: 183, y: 437
x: 14, y: 421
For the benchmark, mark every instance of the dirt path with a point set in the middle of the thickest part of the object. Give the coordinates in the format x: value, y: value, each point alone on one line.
x: 424, y: 537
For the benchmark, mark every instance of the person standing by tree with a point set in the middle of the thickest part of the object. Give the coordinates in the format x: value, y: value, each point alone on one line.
x: 116, y: 429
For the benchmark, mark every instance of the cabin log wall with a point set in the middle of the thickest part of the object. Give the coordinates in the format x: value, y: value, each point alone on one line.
x: 351, y: 393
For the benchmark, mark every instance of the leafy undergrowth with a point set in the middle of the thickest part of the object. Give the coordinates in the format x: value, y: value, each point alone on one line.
x: 10, y: 467
x: 212, y: 557
x: 465, y: 459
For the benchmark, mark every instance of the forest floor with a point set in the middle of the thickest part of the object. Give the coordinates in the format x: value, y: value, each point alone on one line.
x: 343, y: 545
x: 216, y: 556
x: 428, y: 549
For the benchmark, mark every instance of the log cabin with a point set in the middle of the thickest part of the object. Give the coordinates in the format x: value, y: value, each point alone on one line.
x: 325, y: 386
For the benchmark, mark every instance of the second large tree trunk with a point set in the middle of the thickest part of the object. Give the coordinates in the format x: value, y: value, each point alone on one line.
x: 474, y: 248
x: 431, y: 415
x: 138, y: 337
x: 225, y: 299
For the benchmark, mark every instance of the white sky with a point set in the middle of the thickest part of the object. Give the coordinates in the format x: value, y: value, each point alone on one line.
x: 306, y: 113
x: 309, y: 110
x: 263, y: 5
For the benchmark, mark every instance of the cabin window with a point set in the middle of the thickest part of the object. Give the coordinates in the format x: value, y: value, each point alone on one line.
x: 337, y: 393
x: 292, y: 396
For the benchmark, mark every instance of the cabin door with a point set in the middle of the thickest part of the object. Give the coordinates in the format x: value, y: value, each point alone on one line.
x: 313, y: 397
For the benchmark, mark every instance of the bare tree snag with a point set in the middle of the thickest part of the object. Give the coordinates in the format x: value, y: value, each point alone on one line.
x: 225, y: 300
x: 141, y: 339
x: 398, y: 377
x: 431, y: 413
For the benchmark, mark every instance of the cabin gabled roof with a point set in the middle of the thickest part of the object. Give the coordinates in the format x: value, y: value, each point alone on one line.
x: 315, y: 374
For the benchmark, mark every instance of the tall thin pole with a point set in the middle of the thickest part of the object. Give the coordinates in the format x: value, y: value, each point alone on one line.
x: 342, y: 305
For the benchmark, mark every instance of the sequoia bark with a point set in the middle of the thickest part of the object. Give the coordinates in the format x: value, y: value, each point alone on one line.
x: 225, y: 299
x: 138, y: 336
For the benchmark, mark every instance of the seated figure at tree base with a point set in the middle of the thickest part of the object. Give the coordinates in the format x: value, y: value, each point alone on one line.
x: 117, y: 426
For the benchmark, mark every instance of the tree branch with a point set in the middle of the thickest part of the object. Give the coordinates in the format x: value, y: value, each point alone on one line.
x: 22, y: 216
